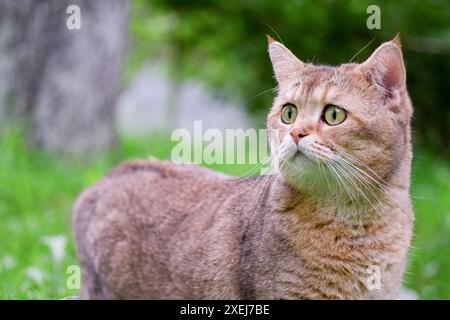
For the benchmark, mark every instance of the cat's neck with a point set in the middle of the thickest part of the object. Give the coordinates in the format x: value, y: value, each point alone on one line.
x: 282, y: 198
x: 296, y: 236
x: 387, y: 196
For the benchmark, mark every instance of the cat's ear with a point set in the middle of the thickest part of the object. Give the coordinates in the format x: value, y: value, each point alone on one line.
x: 285, y: 65
x: 385, y: 68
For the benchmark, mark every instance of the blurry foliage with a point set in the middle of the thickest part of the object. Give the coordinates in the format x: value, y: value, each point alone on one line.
x: 223, y: 43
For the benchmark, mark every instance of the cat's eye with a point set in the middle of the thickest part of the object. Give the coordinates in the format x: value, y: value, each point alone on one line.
x: 333, y: 115
x: 289, y: 113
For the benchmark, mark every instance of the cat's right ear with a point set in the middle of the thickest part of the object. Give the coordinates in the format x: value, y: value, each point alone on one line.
x: 385, y: 68
x: 286, y: 66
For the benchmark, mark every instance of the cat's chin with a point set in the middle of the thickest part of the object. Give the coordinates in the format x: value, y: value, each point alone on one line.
x: 298, y: 168
x: 300, y: 157
x: 298, y: 162
x: 304, y: 161
x: 303, y: 172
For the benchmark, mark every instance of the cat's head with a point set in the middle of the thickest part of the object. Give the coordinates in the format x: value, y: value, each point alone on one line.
x: 345, y: 127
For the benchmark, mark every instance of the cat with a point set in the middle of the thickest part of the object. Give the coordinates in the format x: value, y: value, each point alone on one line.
x: 333, y: 221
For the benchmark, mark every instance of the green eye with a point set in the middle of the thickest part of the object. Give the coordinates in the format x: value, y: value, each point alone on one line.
x: 333, y: 115
x: 289, y: 113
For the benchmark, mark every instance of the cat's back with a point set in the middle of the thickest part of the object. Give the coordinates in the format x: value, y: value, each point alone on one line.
x: 131, y: 224
x: 143, y: 192
x: 136, y: 182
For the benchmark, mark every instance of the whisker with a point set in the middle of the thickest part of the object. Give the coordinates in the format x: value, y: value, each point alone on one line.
x: 270, y: 27
x: 351, y: 177
x: 263, y: 92
x: 249, y: 174
x: 379, y: 182
x: 362, y: 180
x: 361, y: 50
x: 339, y: 180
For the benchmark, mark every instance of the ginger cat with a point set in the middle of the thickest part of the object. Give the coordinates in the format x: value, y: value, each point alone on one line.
x: 337, y: 204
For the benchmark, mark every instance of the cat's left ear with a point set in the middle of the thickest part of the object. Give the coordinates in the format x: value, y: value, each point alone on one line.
x: 286, y: 65
x: 385, y: 68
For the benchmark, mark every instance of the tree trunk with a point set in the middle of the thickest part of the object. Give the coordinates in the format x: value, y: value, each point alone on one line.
x: 65, y: 82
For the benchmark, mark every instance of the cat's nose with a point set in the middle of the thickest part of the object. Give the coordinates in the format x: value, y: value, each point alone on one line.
x: 297, y: 134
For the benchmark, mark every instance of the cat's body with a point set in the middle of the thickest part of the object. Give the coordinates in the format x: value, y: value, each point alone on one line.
x: 153, y: 229
x: 133, y: 244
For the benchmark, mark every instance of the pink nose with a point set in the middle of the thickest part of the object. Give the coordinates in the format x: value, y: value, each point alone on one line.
x: 297, y: 134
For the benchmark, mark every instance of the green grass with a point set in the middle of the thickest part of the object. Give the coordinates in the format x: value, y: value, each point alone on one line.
x: 429, y: 272
x: 37, y: 192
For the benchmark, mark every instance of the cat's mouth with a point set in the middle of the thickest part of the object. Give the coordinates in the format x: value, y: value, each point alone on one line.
x: 316, y: 151
x: 306, y: 154
x: 302, y: 159
x: 301, y: 156
x: 307, y: 151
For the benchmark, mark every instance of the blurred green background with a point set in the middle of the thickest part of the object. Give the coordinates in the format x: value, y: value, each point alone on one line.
x: 60, y: 104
